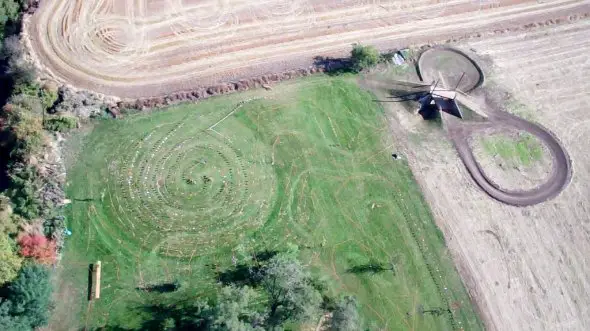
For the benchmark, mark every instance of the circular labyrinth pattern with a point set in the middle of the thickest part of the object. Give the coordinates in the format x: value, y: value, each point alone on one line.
x: 179, y: 190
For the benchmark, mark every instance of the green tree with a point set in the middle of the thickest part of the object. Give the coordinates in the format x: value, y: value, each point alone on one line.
x: 10, y: 322
x: 21, y: 72
x: 27, y: 302
x: 364, y: 57
x: 9, y: 11
x: 236, y: 310
x: 290, y: 291
x: 10, y: 262
x: 346, y: 316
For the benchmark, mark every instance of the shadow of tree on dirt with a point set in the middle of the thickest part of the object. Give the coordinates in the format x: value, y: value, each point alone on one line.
x: 333, y: 66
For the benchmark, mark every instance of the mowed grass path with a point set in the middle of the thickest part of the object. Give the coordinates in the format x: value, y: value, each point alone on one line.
x: 179, y: 194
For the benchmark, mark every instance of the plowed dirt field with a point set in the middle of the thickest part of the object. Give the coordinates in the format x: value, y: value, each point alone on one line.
x: 137, y: 48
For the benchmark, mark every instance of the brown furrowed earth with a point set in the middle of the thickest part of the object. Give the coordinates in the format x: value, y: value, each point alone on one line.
x: 526, y: 267
x: 142, y: 48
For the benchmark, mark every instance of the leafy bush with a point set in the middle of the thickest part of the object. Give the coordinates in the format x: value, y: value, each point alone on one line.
x: 26, y: 303
x: 10, y: 262
x: 48, y: 95
x: 364, y: 57
x: 28, y: 103
x: 25, y: 184
x: 8, y: 223
x: 60, y: 123
x: 26, y: 130
x: 45, y: 95
x: 38, y: 247
x: 27, y: 89
x: 54, y: 228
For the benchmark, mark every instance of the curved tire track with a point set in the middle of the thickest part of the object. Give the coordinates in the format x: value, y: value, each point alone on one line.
x: 460, y: 132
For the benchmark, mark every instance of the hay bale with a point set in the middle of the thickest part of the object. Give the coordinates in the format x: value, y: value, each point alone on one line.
x: 96, y: 280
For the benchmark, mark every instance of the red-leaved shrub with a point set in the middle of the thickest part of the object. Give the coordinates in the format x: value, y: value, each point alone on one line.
x: 38, y: 247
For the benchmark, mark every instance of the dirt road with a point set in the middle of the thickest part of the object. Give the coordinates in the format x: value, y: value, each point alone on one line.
x: 139, y: 48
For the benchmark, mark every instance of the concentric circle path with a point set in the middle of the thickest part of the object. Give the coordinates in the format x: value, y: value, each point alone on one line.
x: 184, y: 187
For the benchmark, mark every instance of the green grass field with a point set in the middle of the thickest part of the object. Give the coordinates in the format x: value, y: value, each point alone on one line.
x: 523, y: 150
x: 175, y: 194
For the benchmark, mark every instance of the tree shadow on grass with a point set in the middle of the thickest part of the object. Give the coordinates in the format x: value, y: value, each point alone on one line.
x: 89, y: 290
x: 174, y: 317
x: 372, y: 267
x: 161, y: 288
x: 249, y: 274
x: 168, y: 317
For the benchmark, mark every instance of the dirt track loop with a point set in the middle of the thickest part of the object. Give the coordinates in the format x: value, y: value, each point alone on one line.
x: 560, y: 173
x: 460, y: 132
x: 143, y: 48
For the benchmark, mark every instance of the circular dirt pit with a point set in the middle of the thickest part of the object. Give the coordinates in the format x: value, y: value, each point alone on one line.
x: 451, y: 68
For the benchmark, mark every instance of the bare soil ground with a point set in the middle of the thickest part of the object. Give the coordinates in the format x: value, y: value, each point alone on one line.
x: 527, y: 268
x: 139, y: 48
x: 455, y: 69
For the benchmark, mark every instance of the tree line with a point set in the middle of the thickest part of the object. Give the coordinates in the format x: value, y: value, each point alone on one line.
x: 31, y: 232
x: 272, y: 291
